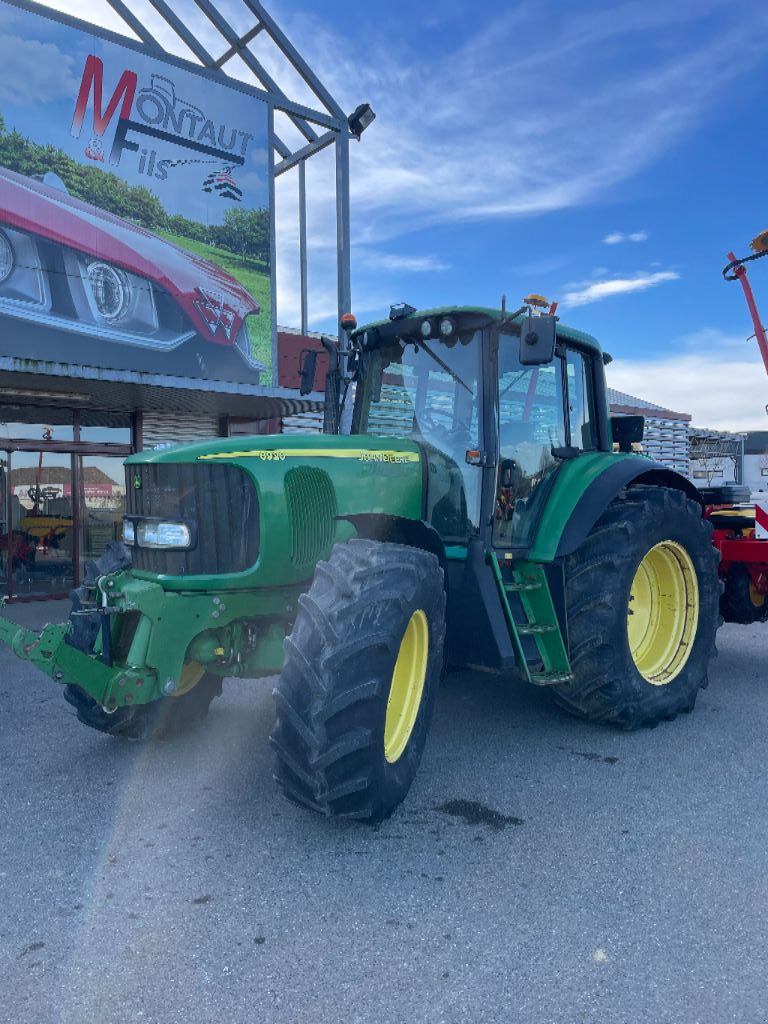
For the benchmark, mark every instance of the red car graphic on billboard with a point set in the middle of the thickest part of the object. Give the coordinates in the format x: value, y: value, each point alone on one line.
x: 85, y: 286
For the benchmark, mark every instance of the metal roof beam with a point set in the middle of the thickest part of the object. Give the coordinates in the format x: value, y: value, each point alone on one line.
x: 242, y: 42
x: 181, y: 30
x: 134, y: 24
x: 295, y: 58
x: 229, y: 34
x: 280, y: 146
x: 291, y: 159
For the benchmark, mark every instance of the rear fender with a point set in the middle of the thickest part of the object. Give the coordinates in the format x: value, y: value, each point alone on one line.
x: 585, y: 487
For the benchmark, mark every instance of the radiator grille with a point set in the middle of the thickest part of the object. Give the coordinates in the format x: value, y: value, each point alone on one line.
x: 220, y: 499
x: 311, y: 502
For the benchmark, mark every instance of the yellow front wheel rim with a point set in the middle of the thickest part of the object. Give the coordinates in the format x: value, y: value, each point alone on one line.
x: 191, y: 674
x: 407, y: 688
x: 663, y: 612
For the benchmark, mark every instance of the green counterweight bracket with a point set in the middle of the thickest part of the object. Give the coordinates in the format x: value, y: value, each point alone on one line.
x: 49, y: 651
x: 157, y: 635
x: 524, y: 586
x: 39, y: 648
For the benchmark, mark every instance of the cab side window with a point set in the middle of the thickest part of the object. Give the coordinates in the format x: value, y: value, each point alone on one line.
x: 581, y: 406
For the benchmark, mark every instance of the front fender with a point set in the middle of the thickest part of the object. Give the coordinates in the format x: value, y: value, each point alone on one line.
x: 414, y: 533
x: 583, y: 489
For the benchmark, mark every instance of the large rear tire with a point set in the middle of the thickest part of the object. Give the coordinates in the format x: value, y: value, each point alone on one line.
x: 642, y: 597
x: 359, y: 683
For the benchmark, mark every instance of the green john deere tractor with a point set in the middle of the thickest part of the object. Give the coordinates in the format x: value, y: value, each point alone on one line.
x: 465, y: 505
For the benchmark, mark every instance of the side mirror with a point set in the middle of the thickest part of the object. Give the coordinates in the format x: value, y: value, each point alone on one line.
x: 538, y: 335
x: 626, y: 431
x: 332, y: 388
x: 507, y: 473
x: 307, y: 371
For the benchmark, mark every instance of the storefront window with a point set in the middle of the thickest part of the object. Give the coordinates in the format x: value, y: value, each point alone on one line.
x: 58, y: 509
x: 38, y: 552
x: 102, y: 504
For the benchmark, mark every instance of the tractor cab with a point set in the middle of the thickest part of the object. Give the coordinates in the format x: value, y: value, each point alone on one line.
x: 497, y: 402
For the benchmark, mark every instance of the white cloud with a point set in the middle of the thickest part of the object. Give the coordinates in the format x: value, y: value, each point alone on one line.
x: 711, y: 340
x: 695, y: 383
x: 393, y: 262
x: 617, y: 237
x: 33, y: 71
x: 595, y: 291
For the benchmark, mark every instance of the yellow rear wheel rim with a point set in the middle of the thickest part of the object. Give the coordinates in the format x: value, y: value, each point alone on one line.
x: 757, y: 599
x: 663, y: 613
x: 407, y: 687
x: 191, y: 674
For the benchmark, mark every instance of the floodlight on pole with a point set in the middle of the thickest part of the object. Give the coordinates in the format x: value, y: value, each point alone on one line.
x: 361, y: 119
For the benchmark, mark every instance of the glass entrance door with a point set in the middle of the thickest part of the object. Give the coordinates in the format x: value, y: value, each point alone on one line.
x: 39, y: 543
x: 101, y: 504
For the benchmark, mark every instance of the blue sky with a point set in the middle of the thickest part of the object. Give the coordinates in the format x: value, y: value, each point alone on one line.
x: 513, y: 139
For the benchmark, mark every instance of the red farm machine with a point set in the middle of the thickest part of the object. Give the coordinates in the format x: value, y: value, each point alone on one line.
x: 740, y: 527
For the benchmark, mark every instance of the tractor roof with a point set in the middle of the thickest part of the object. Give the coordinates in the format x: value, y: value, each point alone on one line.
x: 469, y: 317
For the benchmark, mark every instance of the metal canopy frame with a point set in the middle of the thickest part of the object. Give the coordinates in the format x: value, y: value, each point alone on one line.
x: 329, y: 117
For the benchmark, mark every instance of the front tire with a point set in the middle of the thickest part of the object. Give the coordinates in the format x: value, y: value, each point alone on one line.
x: 642, y: 596
x: 358, y: 687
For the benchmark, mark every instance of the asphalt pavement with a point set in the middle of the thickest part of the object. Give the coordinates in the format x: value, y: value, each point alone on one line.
x: 541, y: 870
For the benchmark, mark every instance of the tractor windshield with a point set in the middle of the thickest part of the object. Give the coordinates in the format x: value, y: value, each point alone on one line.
x: 430, y: 393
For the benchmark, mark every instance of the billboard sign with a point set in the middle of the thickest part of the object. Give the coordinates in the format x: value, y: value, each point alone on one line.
x: 135, y: 221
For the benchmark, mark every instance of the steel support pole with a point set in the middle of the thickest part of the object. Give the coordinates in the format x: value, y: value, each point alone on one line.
x: 273, y: 250
x: 303, y: 243
x: 343, y: 232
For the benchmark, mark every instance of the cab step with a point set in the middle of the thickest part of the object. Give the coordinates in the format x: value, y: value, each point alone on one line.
x: 529, y: 612
x: 550, y: 678
x: 535, y: 628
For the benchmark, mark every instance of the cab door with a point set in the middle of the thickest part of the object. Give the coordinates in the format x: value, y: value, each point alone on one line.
x: 545, y: 414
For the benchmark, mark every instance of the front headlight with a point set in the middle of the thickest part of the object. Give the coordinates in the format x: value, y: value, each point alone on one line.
x: 110, y: 290
x: 109, y: 297
x: 154, y: 534
x: 92, y: 296
x: 6, y: 257
x: 22, y: 281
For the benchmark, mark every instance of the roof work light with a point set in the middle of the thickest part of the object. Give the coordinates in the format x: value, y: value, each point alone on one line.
x: 361, y: 119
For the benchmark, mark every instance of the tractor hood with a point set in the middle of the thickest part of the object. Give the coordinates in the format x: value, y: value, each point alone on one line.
x: 283, y: 500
